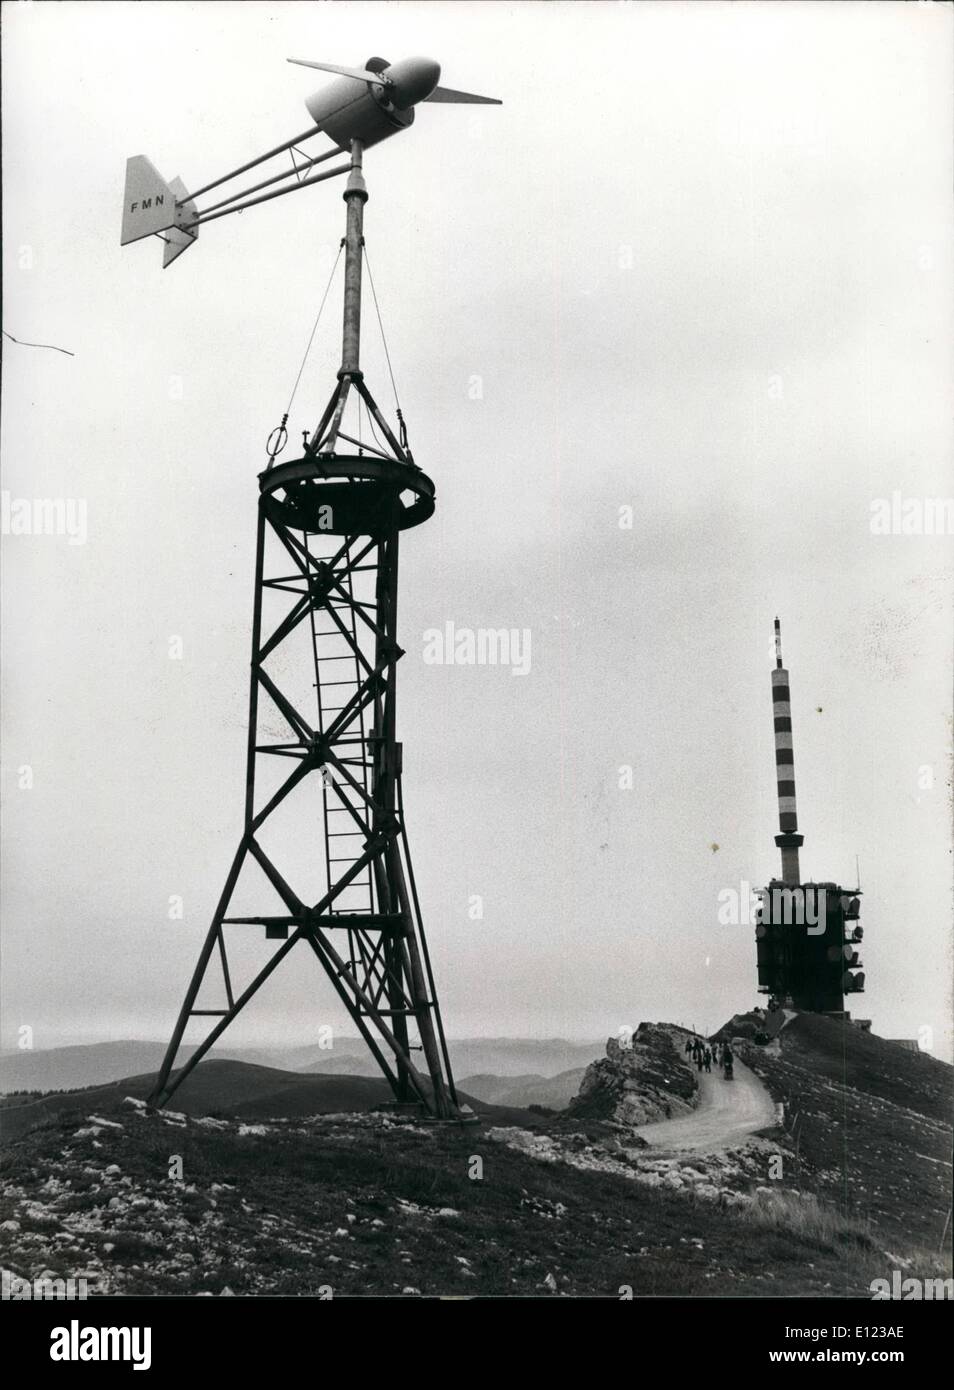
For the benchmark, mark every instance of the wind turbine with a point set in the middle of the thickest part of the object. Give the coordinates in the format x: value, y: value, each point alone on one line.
x: 336, y: 516
x: 367, y: 104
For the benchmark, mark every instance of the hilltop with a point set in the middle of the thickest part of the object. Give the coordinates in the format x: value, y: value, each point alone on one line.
x: 823, y: 1165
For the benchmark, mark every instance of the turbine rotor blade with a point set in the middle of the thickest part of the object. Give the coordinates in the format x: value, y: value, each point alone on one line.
x: 444, y: 94
x: 461, y: 98
x: 362, y: 74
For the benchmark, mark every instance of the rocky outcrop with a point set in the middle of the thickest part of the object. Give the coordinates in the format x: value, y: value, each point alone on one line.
x: 638, y: 1082
x: 758, y: 1026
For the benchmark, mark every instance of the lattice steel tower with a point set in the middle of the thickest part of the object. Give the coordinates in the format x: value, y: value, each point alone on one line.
x: 335, y: 521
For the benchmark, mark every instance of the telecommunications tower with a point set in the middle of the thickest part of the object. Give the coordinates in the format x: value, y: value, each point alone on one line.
x: 325, y: 616
x: 808, y: 935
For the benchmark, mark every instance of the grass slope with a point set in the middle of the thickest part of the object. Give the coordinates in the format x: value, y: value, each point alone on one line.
x: 366, y: 1205
x: 868, y: 1124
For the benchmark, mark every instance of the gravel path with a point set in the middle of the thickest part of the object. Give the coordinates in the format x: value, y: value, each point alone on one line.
x: 726, y: 1113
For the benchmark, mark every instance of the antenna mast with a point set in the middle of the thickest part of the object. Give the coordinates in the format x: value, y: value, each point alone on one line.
x: 788, y: 839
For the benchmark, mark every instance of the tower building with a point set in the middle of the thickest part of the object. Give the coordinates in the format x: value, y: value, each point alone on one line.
x: 808, y: 934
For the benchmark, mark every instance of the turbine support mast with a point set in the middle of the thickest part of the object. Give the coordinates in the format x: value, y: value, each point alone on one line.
x: 326, y: 435
x: 355, y: 196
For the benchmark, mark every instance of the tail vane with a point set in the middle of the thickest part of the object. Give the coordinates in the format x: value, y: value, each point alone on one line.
x: 180, y: 237
x: 153, y: 207
x: 149, y: 204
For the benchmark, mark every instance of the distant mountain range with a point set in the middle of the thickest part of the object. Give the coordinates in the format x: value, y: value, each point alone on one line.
x: 95, y: 1064
x: 555, y: 1092
x: 521, y: 1065
x: 515, y: 1058
x: 236, y: 1090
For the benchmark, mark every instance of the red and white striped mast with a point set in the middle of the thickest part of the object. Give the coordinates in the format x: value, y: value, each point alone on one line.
x: 788, y: 839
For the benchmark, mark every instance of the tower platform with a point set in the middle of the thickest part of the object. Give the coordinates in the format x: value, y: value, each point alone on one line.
x: 348, y: 494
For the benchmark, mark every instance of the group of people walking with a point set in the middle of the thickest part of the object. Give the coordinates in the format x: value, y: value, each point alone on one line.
x: 704, y: 1054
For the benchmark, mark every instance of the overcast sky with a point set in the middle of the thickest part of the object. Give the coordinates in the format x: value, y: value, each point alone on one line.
x: 697, y: 264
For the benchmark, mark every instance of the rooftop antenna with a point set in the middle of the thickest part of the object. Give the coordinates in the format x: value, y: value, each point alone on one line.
x: 329, y: 523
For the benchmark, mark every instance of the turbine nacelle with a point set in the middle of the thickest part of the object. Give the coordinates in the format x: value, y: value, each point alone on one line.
x: 378, y: 100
